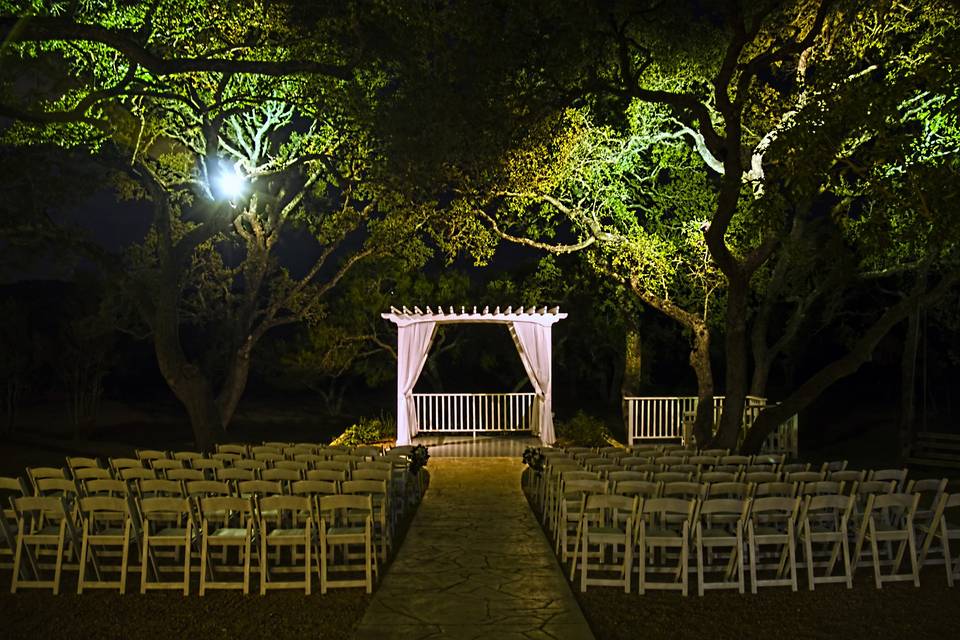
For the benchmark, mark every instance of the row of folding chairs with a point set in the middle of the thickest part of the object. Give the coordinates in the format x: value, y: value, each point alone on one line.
x: 216, y: 470
x: 678, y: 454
x: 750, y: 474
x: 661, y: 532
x: 333, y: 534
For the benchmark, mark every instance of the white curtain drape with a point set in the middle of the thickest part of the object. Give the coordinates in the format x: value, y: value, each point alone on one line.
x: 533, y: 344
x: 413, y: 346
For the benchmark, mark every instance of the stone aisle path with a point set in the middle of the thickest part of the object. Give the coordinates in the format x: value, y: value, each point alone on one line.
x: 475, y: 564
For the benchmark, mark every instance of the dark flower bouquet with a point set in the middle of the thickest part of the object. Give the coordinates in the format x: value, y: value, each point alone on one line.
x: 418, y: 459
x: 533, y: 458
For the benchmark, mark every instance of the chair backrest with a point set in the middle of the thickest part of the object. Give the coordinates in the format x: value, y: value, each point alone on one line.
x: 735, y: 459
x: 620, y: 508
x: 670, y: 460
x: 94, y: 505
x: 11, y: 488
x: 336, y: 465
x: 278, y: 504
x: 755, y: 467
x: 642, y: 488
x: 821, y: 486
x: 238, y: 449
x: 226, y: 456
x: 572, y: 487
x: 186, y: 455
x: 277, y: 445
x: 309, y: 459
x: 32, y: 508
x: 57, y: 486
x: 203, y: 464
x: 644, y: 468
x: 672, y: 476
x: 291, y: 465
x: 248, y: 488
x: 576, y: 474
x: 331, y: 507
x: 159, y: 487
x: 91, y: 473
x: 774, y: 459
x: 689, y: 490
x: 371, y: 474
x: 734, y: 490
x: 367, y: 451
x: 761, y: 476
x: 150, y: 454
x: 198, y: 488
x: 164, y: 508
x: 805, y: 476
x: 314, y: 487
x: 715, y: 453
x: 254, y: 450
x: 658, y: 507
x: 329, y: 475
x: 105, y: 486
x: 249, y: 464
x: 795, y: 467
x: 778, y: 508
x: 901, y: 506
x: 620, y: 476
x: 363, y: 486
x: 838, y: 505
x: 718, y: 476
x: 629, y: 461
x: 77, y: 462
x: 219, y: 506
x: 117, y: 464
x: 897, y: 475
x: 284, y: 475
x: 133, y: 474
x: 847, y: 476
x: 383, y: 465
x: 928, y: 485
x: 269, y: 458
x: 703, y: 460
x: 869, y: 487
x: 782, y: 489
x: 722, y: 506
x: 184, y: 474
x: 234, y: 475
x: 42, y: 473
x: 163, y: 464
x: 834, y: 465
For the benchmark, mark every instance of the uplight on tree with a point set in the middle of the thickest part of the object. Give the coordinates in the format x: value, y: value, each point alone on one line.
x: 230, y: 184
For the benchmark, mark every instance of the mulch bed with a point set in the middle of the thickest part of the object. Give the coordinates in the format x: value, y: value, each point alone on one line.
x: 897, y: 611
x: 218, y: 614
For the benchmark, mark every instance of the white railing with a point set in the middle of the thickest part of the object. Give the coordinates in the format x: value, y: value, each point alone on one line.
x: 474, y: 412
x: 656, y: 418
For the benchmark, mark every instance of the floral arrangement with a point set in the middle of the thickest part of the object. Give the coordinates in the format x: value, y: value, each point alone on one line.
x: 534, y: 458
x: 418, y: 459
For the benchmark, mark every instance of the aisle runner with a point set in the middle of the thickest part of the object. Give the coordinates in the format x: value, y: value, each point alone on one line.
x: 475, y: 564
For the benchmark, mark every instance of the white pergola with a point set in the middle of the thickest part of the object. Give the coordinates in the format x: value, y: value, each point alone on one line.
x: 531, y: 330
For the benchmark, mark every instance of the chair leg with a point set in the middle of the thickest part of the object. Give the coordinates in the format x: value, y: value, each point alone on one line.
x: 808, y: 548
x: 18, y: 554
x: 627, y: 562
x: 945, y: 545
x: 143, y: 561
x: 583, y: 563
x: 876, y: 555
x: 911, y: 540
x: 792, y: 550
x: 847, y: 568
x: 83, y: 558
x: 58, y: 567
x: 323, y: 558
x: 698, y: 534
x: 125, y: 557
x: 263, y: 563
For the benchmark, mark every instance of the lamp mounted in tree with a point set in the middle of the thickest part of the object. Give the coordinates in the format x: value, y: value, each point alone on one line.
x: 230, y: 183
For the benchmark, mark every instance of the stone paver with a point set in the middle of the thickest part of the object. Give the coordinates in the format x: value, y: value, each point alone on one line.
x: 475, y: 564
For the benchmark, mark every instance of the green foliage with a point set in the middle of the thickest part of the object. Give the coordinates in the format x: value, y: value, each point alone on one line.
x: 368, y: 431
x: 582, y: 430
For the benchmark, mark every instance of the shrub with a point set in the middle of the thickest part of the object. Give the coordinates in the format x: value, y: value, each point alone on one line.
x: 583, y: 430
x: 368, y: 431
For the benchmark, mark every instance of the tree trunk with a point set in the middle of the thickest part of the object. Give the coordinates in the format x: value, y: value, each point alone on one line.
x: 700, y: 361
x: 908, y: 382
x: 184, y: 378
x: 238, y: 372
x: 731, y: 418
x: 630, y: 385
